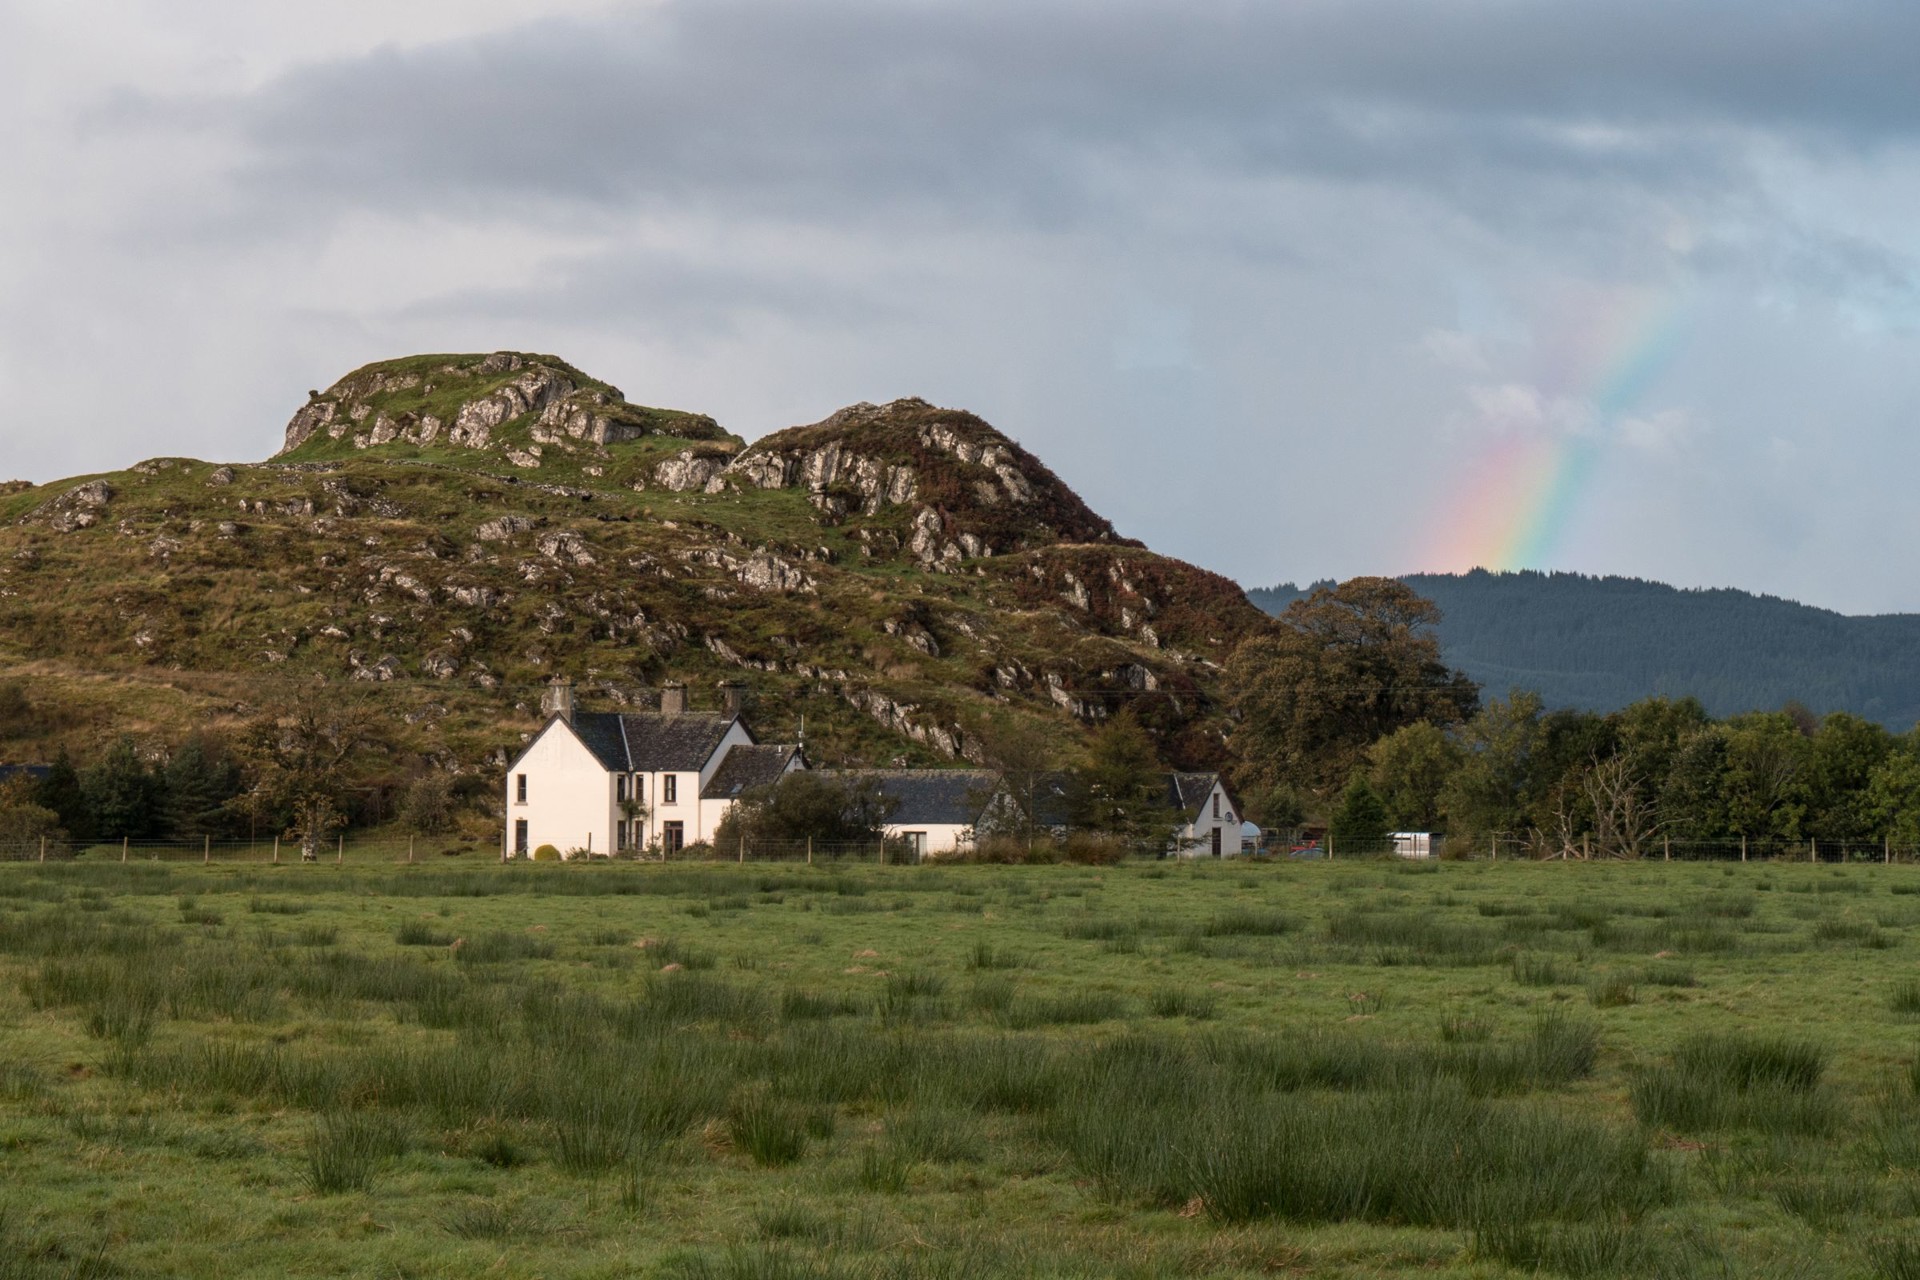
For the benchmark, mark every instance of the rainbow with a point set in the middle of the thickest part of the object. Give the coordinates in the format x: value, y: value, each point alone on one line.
x: 1526, y: 488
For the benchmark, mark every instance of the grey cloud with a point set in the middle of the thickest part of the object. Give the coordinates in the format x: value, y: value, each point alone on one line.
x: 834, y: 108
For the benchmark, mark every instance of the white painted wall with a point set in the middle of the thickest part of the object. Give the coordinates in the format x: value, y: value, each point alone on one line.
x: 569, y: 801
x: 1194, y: 839
x: 943, y: 838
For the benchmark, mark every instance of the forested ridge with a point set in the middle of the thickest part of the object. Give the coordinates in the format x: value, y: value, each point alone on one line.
x: 1601, y: 643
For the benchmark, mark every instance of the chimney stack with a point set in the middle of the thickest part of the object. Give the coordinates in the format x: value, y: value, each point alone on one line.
x: 673, y: 700
x: 558, y: 699
x: 733, y: 698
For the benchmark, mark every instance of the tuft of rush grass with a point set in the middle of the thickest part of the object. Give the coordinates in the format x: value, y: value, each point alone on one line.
x: 492, y: 1220
x: 1074, y: 1009
x: 883, y: 1169
x: 1431, y: 1156
x: 986, y: 956
x: 1242, y: 922
x: 418, y: 933
x: 1718, y: 1081
x: 1530, y: 969
x: 1183, y: 1002
x: 346, y: 1149
x: 772, y: 1133
x: 935, y: 1135
x: 1895, y: 1258
x: 1612, y: 991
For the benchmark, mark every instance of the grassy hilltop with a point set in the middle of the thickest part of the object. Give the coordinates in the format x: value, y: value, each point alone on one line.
x: 1341, y: 1070
x: 453, y: 531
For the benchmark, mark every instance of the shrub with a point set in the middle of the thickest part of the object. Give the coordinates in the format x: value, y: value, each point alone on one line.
x: 1093, y: 849
x: 546, y: 853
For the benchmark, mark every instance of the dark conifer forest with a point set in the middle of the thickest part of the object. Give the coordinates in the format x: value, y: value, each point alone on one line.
x: 1601, y: 643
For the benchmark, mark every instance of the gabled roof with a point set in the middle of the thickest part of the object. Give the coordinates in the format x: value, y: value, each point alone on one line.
x: 648, y: 742
x: 1186, y: 792
x: 746, y: 767
x: 930, y: 797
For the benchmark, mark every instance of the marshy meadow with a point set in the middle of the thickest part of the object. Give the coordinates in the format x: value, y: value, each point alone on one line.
x: 1348, y: 1069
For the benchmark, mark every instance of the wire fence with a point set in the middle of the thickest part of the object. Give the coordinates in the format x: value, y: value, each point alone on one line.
x: 386, y: 848
x: 340, y: 849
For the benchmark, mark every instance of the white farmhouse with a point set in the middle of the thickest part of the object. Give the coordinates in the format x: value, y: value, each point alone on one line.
x: 610, y: 782
x: 1208, y: 821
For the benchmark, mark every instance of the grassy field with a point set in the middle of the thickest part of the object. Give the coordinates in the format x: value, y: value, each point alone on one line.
x: 1219, y: 1070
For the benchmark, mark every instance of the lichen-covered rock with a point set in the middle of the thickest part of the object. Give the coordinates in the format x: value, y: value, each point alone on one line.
x: 562, y: 545
x: 78, y: 508
x: 502, y: 528
x: 690, y: 470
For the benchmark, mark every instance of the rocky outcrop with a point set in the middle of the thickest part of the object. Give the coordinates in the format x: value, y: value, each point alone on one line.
x: 501, y: 528
x: 506, y: 401
x: 939, y: 485
x: 531, y: 391
x: 80, y: 507
x: 693, y: 469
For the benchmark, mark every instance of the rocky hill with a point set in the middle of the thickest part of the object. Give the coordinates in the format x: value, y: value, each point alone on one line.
x: 453, y: 531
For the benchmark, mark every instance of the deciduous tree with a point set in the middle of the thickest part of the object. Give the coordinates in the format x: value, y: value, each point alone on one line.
x: 1344, y: 667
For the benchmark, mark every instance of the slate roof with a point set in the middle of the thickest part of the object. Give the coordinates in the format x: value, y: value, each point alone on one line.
x: 648, y: 742
x: 748, y: 767
x: 1186, y: 792
x: 930, y: 797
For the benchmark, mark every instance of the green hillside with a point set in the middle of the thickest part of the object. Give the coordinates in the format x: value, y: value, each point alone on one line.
x: 1600, y: 643
x: 451, y: 532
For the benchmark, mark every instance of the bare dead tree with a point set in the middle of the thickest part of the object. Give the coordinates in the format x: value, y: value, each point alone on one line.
x: 1626, y: 821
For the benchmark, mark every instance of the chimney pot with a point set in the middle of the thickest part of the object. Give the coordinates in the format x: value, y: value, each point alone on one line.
x: 559, y: 699
x: 673, y: 700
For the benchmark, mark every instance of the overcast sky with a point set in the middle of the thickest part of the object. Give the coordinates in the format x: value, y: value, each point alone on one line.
x: 1291, y: 289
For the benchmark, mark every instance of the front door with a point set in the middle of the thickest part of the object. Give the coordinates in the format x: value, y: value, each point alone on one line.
x: 520, y: 836
x: 673, y: 837
x: 1216, y: 842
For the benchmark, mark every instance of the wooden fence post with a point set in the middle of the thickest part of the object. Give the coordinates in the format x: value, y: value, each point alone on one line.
x: 206, y: 850
x: 1495, y: 842
x: 43, y: 848
x: 1329, y: 846
x: 340, y: 851
x: 276, y: 849
x: 1813, y: 850
x: 743, y: 846
x: 123, y: 848
x: 1666, y: 848
x: 1743, y: 846
x: 809, y: 850
x: 409, y: 849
